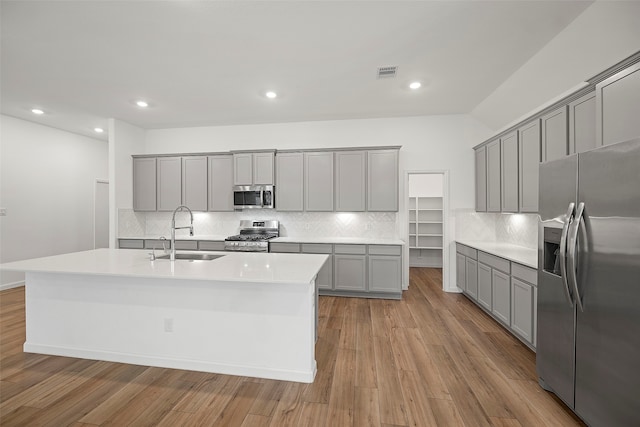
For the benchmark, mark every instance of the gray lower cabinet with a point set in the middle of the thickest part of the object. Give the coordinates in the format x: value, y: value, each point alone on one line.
x: 220, y: 183
x: 485, y: 288
x: 554, y: 134
x: 471, y: 275
x: 318, y: 181
x: 169, y: 179
x: 350, y: 183
x: 529, y: 163
x: 481, y: 179
x: 461, y: 276
x: 618, y: 107
x: 522, y: 309
x: 130, y: 243
x: 350, y: 272
x: 208, y: 245
x: 385, y: 269
x: 509, y: 172
x: 493, y: 177
x: 189, y: 245
x: 382, y: 181
x: 582, y: 126
x: 293, y: 248
x: 194, y: 182
x: 144, y: 184
x: 501, y: 297
x: 290, y: 182
x: 325, y: 275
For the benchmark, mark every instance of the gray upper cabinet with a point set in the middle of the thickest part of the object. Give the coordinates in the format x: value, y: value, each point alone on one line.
x: 169, y: 187
x: 529, y: 162
x: 554, y: 134
x: 144, y: 184
x: 194, y: 182
x: 382, y: 181
x: 290, y: 182
x: 481, y: 179
x: 263, y: 168
x: 253, y: 168
x: 582, y: 124
x: 350, y: 181
x: 242, y: 169
x: 493, y: 177
x: 618, y: 107
x: 509, y: 170
x: 220, y: 179
x: 318, y: 181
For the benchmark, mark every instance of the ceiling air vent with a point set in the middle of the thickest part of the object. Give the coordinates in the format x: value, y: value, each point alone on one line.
x: 387, y: 72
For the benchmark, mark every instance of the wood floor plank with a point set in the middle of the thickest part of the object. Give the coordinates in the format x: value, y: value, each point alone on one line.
x: 253, y: 420
x: 446, y: 413
x: 268, y: 398
x: 288, y: 411
x: 367, y: 407
x: 341, y: 402
x: 313, y: 414
x: 238, y: 407
x: 419, y: 412
x: 177, y: 419
x: 326, y: 356
x: 504, y: 422
x: 392, y: 405
x: 426, y: 366
x: 365, y: 357
x: 217, y: 401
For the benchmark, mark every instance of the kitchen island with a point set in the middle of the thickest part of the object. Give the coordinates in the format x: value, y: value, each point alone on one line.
x: 249, y: 314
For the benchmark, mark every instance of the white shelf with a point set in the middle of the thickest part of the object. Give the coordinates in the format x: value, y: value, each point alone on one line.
x: 426, y: 229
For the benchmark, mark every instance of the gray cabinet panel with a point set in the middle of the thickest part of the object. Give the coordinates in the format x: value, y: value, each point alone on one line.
x: 471, y: 273
x: 385, y: 250
x: 169, y: 188
x: 461, y: 277
x: 484, y: 286
x: 467, y: 251
x: 210, y: 246
x: 554, y: 134
x: 618, y: 107
x: 325, y: 275
x: 242, y: 169
x: 144, y: 184
x: 351, y: 249
x: 263, y: 168
x: 317, y: 248
x: 501, y: 297
x: 493, y: 177
x: 284, y: 247
x: 522, y: 309
x: 187, y: 245
x: 221, y: 183
x: 318, y: 182
x: 350, y: 272
x: 524, y: 273
x: 509, y: 170
x: 130, y: 243
x: 350, y: 181
x: 494, y: 262
x: 385, y: 273
x: 529, y: 163
x: 382, y: 181
x: 194, y: 182
x: 582, y: 124
x: 290, y: 182
x: 481, y: 179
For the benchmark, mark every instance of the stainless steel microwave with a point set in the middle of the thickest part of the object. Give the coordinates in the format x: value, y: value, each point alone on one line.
x: 253, y: 197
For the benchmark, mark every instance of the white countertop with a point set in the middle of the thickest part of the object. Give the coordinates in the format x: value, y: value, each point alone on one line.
x: 233, y: 266
x: 338, y: 240
x: 520, y: 254
x: 211, y: 237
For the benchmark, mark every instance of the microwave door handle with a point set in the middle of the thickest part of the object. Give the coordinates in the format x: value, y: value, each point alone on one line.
x: 573, y: 244
x: 563, y: 252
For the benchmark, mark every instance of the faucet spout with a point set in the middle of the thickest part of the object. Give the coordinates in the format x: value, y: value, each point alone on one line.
x: 172, y: 257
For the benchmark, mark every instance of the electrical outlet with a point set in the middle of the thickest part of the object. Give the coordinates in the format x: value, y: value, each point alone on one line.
x: 3, y: 211
x: 168, y: 325
x: 307, y: 226
x: 369, y: 226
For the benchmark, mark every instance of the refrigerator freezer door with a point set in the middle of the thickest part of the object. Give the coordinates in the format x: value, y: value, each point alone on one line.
x: 556, y: 315
x: 608, y: 330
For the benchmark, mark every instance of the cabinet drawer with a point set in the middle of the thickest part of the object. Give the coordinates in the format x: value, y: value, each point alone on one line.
x: 317, y: 248
x: 189, y: 245
x: 524, y: 273
x: 210, y: 246
x: 131, y: 243
x: 284, y: 247
x: 351, y: 249
x: 385, y: 250
x: 495, y: 262
x: 157, y: 243
x: 467, y: 251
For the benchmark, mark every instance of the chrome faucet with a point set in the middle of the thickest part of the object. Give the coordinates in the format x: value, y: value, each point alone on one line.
x: 172, y: 257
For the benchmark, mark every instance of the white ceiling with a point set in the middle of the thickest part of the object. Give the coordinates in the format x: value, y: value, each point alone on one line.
x: 210, y: 62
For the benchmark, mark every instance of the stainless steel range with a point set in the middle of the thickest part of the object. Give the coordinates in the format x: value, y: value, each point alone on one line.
x: 254, y: 236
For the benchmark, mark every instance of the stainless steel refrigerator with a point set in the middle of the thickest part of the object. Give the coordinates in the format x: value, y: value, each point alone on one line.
x: 588, y: 336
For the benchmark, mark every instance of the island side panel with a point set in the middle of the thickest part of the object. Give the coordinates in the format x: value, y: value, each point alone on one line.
x: 263, y: 330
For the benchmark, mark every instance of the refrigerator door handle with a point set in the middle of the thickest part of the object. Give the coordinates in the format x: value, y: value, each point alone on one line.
x: 563, y: 252
x: 571, y: 262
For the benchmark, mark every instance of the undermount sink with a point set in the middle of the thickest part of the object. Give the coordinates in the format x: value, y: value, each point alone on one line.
x: 193, y: 257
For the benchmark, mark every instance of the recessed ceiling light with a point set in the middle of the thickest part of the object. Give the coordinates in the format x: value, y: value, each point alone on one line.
x: 270, y: 95
x: 142, y: 104
x: 37, y: 111
x: 98, y: 130
x: 415, y: 85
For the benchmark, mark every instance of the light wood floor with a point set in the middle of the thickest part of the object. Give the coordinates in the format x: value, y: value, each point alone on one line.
x: 432, y: 359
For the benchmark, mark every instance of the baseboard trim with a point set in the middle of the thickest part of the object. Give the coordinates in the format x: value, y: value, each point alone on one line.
x: 11, y: 285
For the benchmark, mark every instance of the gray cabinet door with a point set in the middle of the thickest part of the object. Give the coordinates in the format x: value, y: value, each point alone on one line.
x: 493, y: 177
x: 382, y: 180
x: 263, y: 168
x: 290, y: 181
x: 618, y: 107
x: 484, y: 286
x: 481, y: 179
x: 529, y: 163
x: 221, y: 183
x: 144, y: 184
x: 350, y: 272
x: 242, y: 169
x: 325, y: 275
x: 522, y: 309
x: 582, y: 124
x: 471, y: 273
x: 318, y: 182
x: 194, y: 182
x: 501, y: 296
x: 554, y: 134
x: 509, y: 171
x: 385, y: 273
x: 169, y: 175
x: 461, y: 277
x: 350, y: 181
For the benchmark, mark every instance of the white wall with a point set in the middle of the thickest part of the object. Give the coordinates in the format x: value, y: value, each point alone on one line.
x: 47, y: 184
x: 604, y: 34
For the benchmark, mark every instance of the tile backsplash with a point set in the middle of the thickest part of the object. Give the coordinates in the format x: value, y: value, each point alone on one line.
x: 296, y: 224
x: 517, y: 229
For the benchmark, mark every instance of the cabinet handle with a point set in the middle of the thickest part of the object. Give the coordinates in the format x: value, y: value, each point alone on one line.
x: 563, y: 252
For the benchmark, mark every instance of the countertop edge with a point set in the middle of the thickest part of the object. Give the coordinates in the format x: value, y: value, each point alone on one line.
x: 485, y: 247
